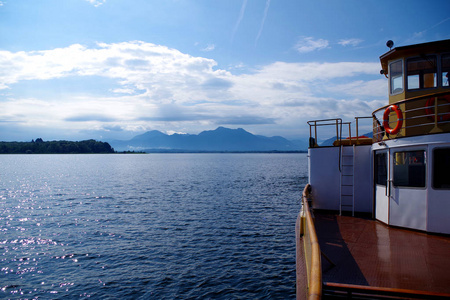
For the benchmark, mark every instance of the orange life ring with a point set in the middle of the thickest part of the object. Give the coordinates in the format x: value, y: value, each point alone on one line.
x: 392, y: 108
x: 429, y: 109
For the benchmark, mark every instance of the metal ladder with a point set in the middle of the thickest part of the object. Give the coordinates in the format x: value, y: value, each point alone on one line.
x: 347, y: 180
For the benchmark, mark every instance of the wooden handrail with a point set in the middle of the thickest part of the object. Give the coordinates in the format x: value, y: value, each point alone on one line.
x: 384, y: 291
x: 315, y: 270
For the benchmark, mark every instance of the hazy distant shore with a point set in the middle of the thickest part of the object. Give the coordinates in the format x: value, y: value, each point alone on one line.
x: 38, y: 146
x: 200, y: 151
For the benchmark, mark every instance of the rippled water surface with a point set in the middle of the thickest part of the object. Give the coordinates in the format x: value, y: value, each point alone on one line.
x: 153, y: 226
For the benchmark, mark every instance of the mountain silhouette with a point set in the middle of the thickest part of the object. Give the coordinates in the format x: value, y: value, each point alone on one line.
x: 220, y: 139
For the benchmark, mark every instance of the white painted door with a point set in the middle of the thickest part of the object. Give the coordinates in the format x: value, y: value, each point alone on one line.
x: 439, y: 188
x: 381, y: 176
x: 408, y: 187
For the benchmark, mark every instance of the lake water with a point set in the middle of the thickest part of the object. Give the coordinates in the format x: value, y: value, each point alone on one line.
x: 150, y: 226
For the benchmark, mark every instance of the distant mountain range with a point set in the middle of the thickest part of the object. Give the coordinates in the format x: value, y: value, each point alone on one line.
x: 219, y: 140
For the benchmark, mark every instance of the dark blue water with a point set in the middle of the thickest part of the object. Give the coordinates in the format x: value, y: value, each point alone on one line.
x: 154, y: 226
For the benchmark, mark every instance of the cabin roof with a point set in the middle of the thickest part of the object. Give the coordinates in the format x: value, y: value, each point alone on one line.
x: 414, y: 50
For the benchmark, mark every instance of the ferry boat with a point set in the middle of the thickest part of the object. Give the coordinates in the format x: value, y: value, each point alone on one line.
x: 375, y: 217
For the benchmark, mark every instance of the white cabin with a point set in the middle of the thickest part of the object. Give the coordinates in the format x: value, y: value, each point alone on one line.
x: 401, y: 175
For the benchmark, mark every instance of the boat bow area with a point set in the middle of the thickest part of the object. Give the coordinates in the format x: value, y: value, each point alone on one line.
x: 396, y: 175
x: 362, y: 258
x: 361, y: 251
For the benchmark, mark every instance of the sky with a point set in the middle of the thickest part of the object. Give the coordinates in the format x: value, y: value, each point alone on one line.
x: 113, y: 69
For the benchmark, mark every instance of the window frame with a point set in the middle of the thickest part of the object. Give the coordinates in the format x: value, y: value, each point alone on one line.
x: 440, y: 71
x: 425, y: 176
x: 433, y: 169
x: 437, y: 73
x: 377, y: 169
x: 391, y: 92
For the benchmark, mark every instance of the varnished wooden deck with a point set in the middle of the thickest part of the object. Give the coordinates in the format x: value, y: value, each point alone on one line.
x: 369, y: 253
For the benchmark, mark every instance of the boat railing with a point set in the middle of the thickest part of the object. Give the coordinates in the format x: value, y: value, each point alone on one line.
x: 419, y: 115
x: 311, y: 249
x: 333, y: 290
x: 341, y: 129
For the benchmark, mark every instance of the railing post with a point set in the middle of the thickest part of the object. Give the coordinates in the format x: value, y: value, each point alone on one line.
x: 315, y: 130
x: 337, y: 130
x: 350, y: 132
x: 435, y: 111
x: 357, y: 134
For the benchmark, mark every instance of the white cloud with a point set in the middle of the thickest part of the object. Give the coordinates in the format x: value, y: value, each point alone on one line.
x: 309, y: 44
x: 171, y: 132
x: 209, y: 48
x: 375, y: 88
x: 280, y: 81
x: 96, y: 3
x: 143, y: 65
x: 124, y: 91
x: 350, y: 42
x: 316, y: 71
x: 156, y: 87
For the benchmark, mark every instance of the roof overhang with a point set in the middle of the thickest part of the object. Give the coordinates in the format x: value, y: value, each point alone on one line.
x: 414, y: 50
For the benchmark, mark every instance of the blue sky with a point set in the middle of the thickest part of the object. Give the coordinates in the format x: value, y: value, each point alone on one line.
x: 112, y: 69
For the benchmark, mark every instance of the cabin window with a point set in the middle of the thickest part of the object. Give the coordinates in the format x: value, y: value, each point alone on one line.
x: 445, y: 59
x: 396, y: 76
x: 409, y: 168
x: 380, y: 169
x: 422, y: 72
x: 441, y: 167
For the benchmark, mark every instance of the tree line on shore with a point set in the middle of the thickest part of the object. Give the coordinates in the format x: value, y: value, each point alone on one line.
x: 39, y: 146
